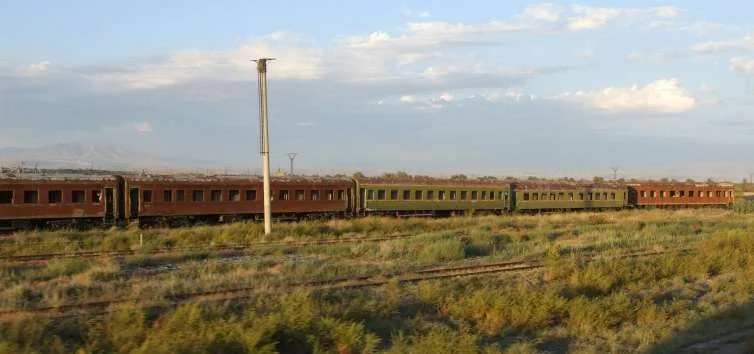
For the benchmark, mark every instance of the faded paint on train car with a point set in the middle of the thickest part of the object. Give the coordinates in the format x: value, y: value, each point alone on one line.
x: 430, y: 196
x: 659, y: 194
x: 569, y: 196
x: 169, y: 197
x: 29, y: 201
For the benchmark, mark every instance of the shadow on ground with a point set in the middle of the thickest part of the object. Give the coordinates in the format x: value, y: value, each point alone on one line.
x: 729, y: 331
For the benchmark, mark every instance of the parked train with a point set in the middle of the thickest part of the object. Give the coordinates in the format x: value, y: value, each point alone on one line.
x: 116, y: 200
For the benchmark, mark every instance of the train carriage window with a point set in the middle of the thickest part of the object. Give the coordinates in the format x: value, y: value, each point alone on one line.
x: 718, y: 194
x: 553, y: 197
x: 526, y: 196
x: 54, y: 197
x: 453, y: 195
x: 505, y: 195
x: 596, y: 196
x: 381, y: 194
x: 474, y: 195
x: 315, y: 195
x: 284, y: 195
x: 681, y: 194
x: 146, y: 196
x: 581, y: 196
x: 570, y: 196
x: 464, y: 195
x: 370, y: 195
x: 341, y: 194
x: 31, y: 197
x: 653, y: 194
x: 180, y: 195
x: 251, y: 194
x: 167, y: 196
x: 662, y: 194
x: 216, y: 195
x: 561, y: 196
x: 441, y: 195
x: 406, y: 195
x: 709, y: 194
x: 418, y: 195
x: 6, y: 197
x: 672, y: 194
x: 484, y: 195
x: 612, y: 196
x: 643, y: 194
x: 300, y: 195
x: 691, y: 194
x: 234, y: 195
x: 393, y: 195
x: 534, y: 196
x: 604, y: 195
x: 78, y: 197
x: 197, y: 195
x: 96, y: 196
x: 500, y: 195
x: 430, y: 195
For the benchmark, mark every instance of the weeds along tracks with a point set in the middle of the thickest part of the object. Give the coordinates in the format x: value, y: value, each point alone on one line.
x: 330, y: 284
x: 43, y: 257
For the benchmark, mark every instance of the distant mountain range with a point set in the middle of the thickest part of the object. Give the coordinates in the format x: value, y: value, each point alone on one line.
x: 68, y: 155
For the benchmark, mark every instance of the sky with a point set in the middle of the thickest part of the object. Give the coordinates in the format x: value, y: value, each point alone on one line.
x: 507, y: 88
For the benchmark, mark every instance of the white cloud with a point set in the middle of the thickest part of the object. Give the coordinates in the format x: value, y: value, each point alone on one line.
x: 742, y: 45
x: 143, y: 127
x: 410, y: 12
x: 541, y: 12
x: 542, y: 18
x: 588, y: 18
x: 407, y: 99
x: 661, y: 96
x: 742, y: 65
x: 506, y: 95
x: 297, y: 61
x: 698, y: 28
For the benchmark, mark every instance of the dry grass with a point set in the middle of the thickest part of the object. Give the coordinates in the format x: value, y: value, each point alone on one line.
x: 605, y: 306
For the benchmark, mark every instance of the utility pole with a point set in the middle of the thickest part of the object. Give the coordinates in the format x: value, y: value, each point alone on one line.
x: 615, y: 173
x: 292, y: 156
x: 264, y: 146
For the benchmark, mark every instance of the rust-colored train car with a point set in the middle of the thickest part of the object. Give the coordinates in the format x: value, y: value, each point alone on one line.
x: 72, y: 200
x: 229, y: 198
x: 680, y: 194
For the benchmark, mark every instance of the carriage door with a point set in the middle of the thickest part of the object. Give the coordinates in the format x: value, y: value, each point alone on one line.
x: 362, y: 198
x: 108, y: 204
x: 133, y: 202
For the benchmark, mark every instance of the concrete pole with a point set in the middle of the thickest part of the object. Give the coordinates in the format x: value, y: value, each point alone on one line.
x: 264, y: 141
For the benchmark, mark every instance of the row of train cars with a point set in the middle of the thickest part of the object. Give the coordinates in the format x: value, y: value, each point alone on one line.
x: 78, y: 200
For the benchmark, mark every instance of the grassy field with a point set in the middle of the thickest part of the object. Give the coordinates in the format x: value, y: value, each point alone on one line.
x: 651, y: 304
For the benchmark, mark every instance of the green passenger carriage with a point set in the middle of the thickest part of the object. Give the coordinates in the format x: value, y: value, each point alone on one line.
x: 431, y: 197
x: 533, y: 196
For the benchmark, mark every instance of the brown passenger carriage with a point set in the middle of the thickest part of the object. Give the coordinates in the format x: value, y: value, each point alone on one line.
x: 66, y: 200
x: 680, y: 194
x: 153, y: 199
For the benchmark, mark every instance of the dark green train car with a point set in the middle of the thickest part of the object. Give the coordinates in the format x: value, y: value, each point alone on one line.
x: 533, y: 196
x: 431, y: 197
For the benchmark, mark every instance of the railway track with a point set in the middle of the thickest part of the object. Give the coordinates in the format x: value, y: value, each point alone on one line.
x: 330, y: 284
x: 43, y: 257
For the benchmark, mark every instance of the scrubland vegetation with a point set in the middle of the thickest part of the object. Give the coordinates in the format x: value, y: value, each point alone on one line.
x: 657, y: 304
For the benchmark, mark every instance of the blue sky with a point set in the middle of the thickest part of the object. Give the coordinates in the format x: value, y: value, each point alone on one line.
x: 479, y: 87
